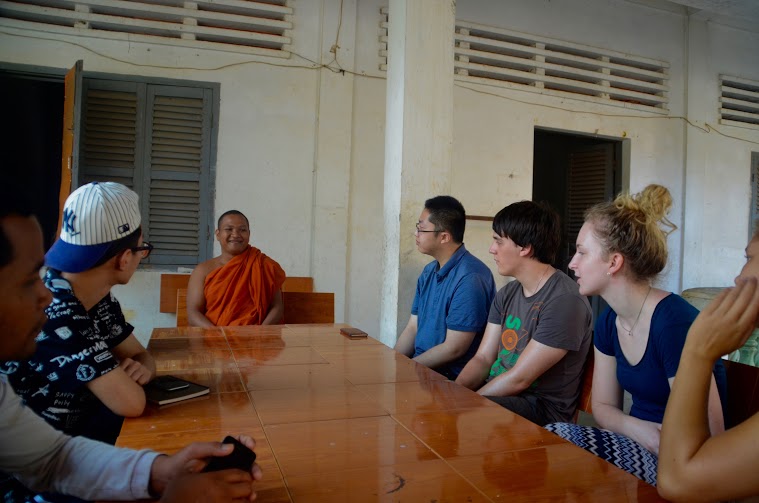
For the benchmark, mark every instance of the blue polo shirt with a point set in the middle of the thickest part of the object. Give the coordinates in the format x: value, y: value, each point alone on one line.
x: 457, y: 297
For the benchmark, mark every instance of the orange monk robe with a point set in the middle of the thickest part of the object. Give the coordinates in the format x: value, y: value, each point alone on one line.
x: 241, y: 291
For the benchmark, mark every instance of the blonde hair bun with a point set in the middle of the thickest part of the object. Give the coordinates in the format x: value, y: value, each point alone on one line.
x: 637, y: 227
x: 651, y: 206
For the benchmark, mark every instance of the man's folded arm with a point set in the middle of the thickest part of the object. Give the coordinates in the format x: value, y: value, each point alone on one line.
x: 119, y: 393
x: 131, y: 348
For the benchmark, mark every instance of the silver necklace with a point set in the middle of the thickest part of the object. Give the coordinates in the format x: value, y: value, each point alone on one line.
x: 630, y: 332
x: 537, y: 287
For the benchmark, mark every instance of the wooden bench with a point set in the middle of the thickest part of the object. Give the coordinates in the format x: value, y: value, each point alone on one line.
x: 300, y: 307
x: 181, y: 307
x: 309, y: 307
x: 170, y: 283
x: 298, y: 284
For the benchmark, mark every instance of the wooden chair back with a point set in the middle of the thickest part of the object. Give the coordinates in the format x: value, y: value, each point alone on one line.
x: 181, y: 307
x: 170, y: 283
x: 300, y: 307
x: 298, y: 284
x: 309, y: 307
x: 586, y: 387
x: 742, y: 392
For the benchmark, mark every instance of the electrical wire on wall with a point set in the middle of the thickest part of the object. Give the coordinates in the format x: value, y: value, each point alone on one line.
x: 334, y: 66
x: 706, y: 128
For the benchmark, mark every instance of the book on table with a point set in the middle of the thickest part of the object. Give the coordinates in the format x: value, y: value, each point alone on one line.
x: 169, y: 389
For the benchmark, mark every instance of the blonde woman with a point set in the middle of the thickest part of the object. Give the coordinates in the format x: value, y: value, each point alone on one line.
x: 638, y: 340
x: 696, y: 466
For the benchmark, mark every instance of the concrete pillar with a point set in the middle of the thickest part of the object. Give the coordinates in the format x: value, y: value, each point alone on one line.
x: 691, y: 261
x: 418, y: 142
x: 332, y: 156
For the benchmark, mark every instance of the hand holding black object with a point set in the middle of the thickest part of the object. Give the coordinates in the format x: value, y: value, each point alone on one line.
x: 241, y: 458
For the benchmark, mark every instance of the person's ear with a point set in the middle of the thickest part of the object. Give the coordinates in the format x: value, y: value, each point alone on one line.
x: 122, y: 259
x: 445, y: 237
x: 616, y: 262
x: 217, y: 234
x: 525, y: 251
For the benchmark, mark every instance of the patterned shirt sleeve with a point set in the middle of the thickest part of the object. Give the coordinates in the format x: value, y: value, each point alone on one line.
x: 110, y: 321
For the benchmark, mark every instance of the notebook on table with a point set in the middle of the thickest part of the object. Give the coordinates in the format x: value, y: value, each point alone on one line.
x: 169, y: 389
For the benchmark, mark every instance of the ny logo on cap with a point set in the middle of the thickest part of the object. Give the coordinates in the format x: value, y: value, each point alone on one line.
x: 68, y: 222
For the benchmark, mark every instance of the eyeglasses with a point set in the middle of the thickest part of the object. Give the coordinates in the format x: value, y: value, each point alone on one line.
x: 419, y: 231
x: 145, y: 248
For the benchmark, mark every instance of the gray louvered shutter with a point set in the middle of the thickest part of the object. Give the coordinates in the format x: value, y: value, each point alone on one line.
x: 176, y: 195
x: 590, y: 181
x: 112, y: 127
x: 754, y: 220
x: 155, y: 139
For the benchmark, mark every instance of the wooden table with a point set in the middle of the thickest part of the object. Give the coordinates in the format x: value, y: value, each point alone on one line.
x: 345, y: 420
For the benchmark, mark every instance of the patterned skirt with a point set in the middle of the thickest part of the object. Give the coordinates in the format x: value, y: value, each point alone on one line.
x: 619, y: 450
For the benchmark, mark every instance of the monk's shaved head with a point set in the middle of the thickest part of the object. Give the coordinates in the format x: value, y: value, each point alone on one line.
x: 231, y: 212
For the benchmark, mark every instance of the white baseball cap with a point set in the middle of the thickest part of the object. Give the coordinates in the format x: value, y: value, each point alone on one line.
x: 94, y: 216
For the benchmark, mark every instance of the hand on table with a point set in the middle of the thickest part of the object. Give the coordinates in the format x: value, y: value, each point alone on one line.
x: 191, y: 460
x: 137, y: 371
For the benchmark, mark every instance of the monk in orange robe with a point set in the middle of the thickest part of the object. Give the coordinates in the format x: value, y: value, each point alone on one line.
x: 242, y: 286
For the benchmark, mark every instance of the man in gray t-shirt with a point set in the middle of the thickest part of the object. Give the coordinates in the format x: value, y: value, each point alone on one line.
x: 539, y: 329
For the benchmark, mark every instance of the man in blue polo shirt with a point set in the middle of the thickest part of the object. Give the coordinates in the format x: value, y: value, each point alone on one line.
x: 453, y: 293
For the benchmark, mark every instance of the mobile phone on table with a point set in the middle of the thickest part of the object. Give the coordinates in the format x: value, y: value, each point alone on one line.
x: 353, y: 333
x: 241, y: 457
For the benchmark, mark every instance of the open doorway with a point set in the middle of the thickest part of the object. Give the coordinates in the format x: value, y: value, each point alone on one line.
x: 31, y: 142
x: 572, y: 172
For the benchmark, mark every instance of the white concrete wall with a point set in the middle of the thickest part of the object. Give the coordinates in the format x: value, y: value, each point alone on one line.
x: 718, y: 175
x: 500, y: 148
x: 139, y: 300
x: 302, y: 154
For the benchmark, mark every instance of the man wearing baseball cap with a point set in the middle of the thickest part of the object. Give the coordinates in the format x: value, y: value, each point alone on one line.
x: 87, y: 355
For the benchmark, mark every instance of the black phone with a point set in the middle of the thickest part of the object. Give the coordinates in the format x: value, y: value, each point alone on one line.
x: 241, y: 457
x: 170, y: 383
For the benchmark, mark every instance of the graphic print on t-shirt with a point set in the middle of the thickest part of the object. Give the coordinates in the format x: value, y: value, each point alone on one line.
x: 514, y: 339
